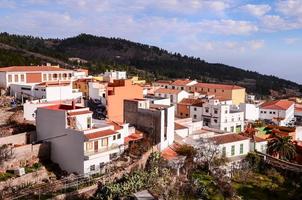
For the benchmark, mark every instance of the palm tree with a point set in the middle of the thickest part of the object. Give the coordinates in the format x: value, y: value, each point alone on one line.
x: 282, y: 147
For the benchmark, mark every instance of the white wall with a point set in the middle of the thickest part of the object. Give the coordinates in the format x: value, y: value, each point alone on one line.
x: 251, y: 111
x: 270, y: 114
x: 3, y: 80
x: 228, y: 146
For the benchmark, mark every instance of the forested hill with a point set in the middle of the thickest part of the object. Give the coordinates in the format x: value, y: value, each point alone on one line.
x: 150, y: 61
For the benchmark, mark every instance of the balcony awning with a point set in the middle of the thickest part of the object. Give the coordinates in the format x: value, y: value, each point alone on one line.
x: 133, y: 137
x: 99, y: 134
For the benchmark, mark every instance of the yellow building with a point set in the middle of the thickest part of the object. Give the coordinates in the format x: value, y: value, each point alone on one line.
x: 135, y: 80
x: 82, y: 85
x: 221, y: 91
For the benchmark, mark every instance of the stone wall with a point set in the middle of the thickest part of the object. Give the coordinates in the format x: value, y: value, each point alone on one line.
x: 26, y: 155
x: 31, y: 178
x: 18, y: 139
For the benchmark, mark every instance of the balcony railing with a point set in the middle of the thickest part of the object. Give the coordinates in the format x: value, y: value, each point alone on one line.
x: 110, y: 149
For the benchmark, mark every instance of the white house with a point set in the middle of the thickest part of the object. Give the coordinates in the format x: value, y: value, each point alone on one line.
x: 114, y: 75
x: 32, y: 75
x: 98, y: 90
x: 156, y: 120
x: 182, y: 84
x: 77, y: 145
x: 158, y: 100
x: 218, y: 115
x: 251, y: 111
x: 49, y: 91
x: 175, y: 95
x: 280, y: 111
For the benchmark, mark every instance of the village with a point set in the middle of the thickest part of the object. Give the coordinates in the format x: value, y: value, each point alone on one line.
x: 68, y: 132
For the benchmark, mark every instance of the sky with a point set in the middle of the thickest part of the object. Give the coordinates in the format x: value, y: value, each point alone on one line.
x: 258, y: 35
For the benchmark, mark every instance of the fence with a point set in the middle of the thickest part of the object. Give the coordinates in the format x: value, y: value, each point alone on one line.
x: 280, y: 163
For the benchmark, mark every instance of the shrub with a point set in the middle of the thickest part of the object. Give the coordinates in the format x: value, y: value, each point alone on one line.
x: 275, y: 176
x: 186, y: 150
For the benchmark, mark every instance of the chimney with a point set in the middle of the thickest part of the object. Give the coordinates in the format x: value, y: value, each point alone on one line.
x: 73, y: 104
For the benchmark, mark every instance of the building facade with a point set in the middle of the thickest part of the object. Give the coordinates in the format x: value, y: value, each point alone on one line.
x: 155, y: 120
x: 32, y: 75
x: 77, y: 145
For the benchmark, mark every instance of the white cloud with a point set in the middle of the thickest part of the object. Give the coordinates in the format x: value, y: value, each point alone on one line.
x: 256, y: 10
x: 228, y: 27
x: 255, y: 44
x: 290, y: 7
x: 291, y: 40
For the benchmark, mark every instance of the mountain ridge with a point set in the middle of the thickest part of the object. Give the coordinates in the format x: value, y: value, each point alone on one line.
x: 151, y: 62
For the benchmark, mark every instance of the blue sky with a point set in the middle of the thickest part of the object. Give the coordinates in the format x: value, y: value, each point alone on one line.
x: 259, y: 35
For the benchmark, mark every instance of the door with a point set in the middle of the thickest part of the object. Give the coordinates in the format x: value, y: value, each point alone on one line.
x: 96, y: 145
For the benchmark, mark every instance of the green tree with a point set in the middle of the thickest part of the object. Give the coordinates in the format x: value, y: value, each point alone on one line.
x: 282, y: 147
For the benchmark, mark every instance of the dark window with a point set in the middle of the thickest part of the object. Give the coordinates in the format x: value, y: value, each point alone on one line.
x: 119, y: 136
x: 25, y: 88
x: 114, y: 137
x: 92, y: 167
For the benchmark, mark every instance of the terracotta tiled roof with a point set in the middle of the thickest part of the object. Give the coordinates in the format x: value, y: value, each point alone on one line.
x: 80, y: 113
x: 163, y: 81
x: 180, y: 82
x: 218, y: 86
x: 229, y: 138
x: 191, y: 101
x: 178, y: 126
x: 133, y: 137
x: 31, y: 68
x: 167, y: 91
x: 168, y: 153
x: 277, y: 105
x: 54, y: 83
x: 99, y: 134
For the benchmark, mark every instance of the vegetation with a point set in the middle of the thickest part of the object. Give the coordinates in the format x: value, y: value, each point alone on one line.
x: 282, y: 147
x: 149, y: 62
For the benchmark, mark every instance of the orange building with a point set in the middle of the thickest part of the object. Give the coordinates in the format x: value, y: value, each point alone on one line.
x: 183, y: 107
x: 221, y: 91
x: 82, y: 85
x: 117, y: 92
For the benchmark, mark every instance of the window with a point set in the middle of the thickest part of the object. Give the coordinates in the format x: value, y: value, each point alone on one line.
x: 274, y: 113
x: 55, y: 76
x: 69, y: 75
x: 207, y: 110
x: 25, y: 88
x: 264, y: 112
x: 10, y: 78
x: 173, y: 87
x: 89, y: 146
x: 114, y: 137
x: 261, y: 112
x: 182, y: 88
x: 270, y: 112
x: 60, y: 76
x: 64, y: 76
x: 226, y: 120
x: 222, y: 90
x: 232, y: 129
x: 181, y: 114
x: 215, y: 111
x: 49, y: 77
x: 16, y: 78
x: 104, y: 142
x: 223, y: 151
x: 22, y: 78
x: 92, y: 167
x: 195, y: 116
x: 232, y: 119
x: 226, y: 111
x: 44, y: 77
x: 171, y: 96
x: 88, y: 122
x: 36, y: 89
x: 166, y: 87
x: 187, y: 115
x: 215, y: 90
x: 215, y: 121
x: 241, y: 148
x: 225, y: 129
x: 233, y: 150
x: 119, y: 136
x: 195, y: 109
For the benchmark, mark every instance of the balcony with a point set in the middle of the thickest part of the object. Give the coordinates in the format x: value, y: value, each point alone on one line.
x: 104, y: 151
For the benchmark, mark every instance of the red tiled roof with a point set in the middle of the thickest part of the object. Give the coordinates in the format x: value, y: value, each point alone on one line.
x: 31, y: 69
x: 191, y: 101
x: 62, y: 107
x: 229, y: 138
x: 164, y: 81
x: 218, y: 86
x: 54, y: 83
x: 277, y: 105
x: 99, y: 134
x: 133, y: 137
x: 168, y: 153
x: 79, y: 113
x: 167, y: 91
x: 178, y: 126
x: 180, y: 82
